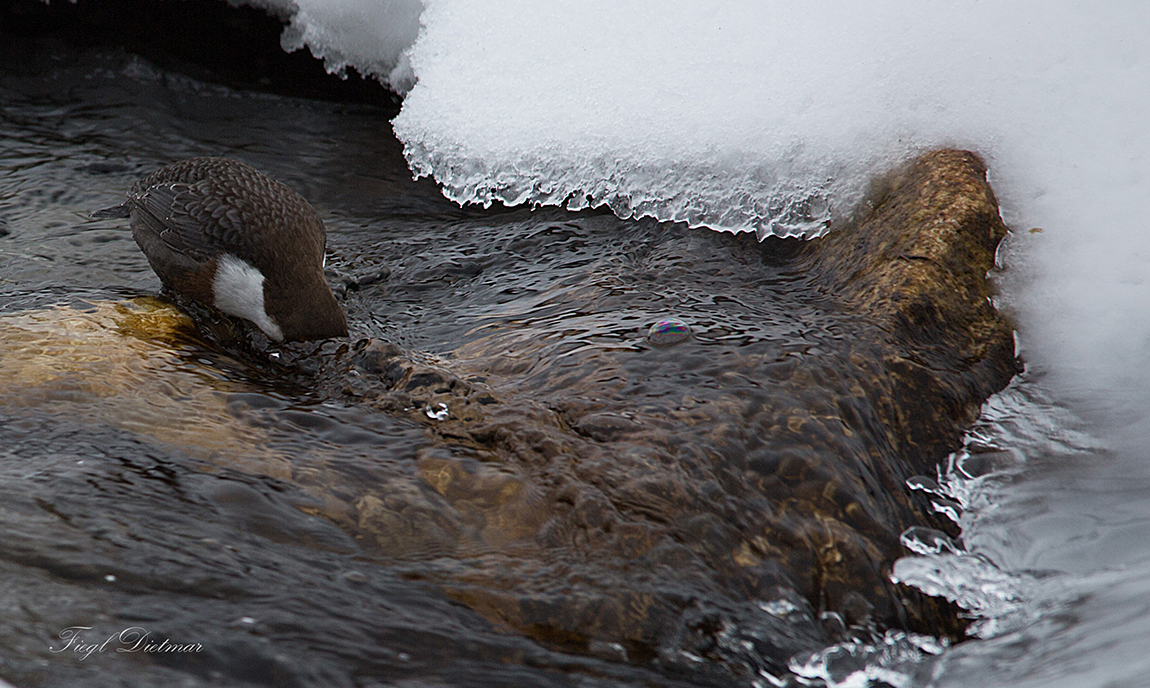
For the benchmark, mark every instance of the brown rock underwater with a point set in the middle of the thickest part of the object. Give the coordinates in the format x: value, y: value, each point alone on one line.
x: 704, y: 510
x: 570, y: 482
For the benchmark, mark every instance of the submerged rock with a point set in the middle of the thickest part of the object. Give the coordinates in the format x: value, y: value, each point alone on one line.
x: 133, y: 365
x: 575, y: 482
x: 719, y: 505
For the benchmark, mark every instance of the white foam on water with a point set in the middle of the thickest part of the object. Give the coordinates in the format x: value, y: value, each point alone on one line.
x: 895, y: 659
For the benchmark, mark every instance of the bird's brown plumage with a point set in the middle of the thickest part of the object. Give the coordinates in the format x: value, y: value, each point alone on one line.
x: 188, y: 215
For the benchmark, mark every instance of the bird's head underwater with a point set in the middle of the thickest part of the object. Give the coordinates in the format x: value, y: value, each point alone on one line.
x: 220, y: 233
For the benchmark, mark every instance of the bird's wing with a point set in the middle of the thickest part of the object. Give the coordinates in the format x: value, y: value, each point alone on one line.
x: 191, y: 219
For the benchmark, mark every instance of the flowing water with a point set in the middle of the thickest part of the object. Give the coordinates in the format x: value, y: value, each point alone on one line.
x: 157, y: 486
x: 141, y: 481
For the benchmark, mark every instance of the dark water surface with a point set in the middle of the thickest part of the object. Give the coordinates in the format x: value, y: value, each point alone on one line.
x: 150, y: 480
x: 121, y: 511
x: 165, y: 485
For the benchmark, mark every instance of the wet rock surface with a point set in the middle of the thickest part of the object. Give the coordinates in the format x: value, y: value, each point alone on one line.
x: 591, y: 503
x: 501, y: 477
x: 570, y: 481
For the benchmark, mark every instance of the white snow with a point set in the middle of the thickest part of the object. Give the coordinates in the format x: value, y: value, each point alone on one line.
x: 769, y: 116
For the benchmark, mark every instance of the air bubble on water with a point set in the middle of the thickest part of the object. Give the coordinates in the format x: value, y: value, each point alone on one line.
x: 668, y: 332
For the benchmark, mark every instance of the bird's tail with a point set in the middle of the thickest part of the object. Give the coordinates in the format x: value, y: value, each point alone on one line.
x: 122, y: 210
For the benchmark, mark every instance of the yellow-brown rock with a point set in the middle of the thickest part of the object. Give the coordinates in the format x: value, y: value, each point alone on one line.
x: 730, y: 499
x: 753, y: 474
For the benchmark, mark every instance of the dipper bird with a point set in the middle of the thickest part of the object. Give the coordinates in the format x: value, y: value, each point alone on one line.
x: 220, y: 233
